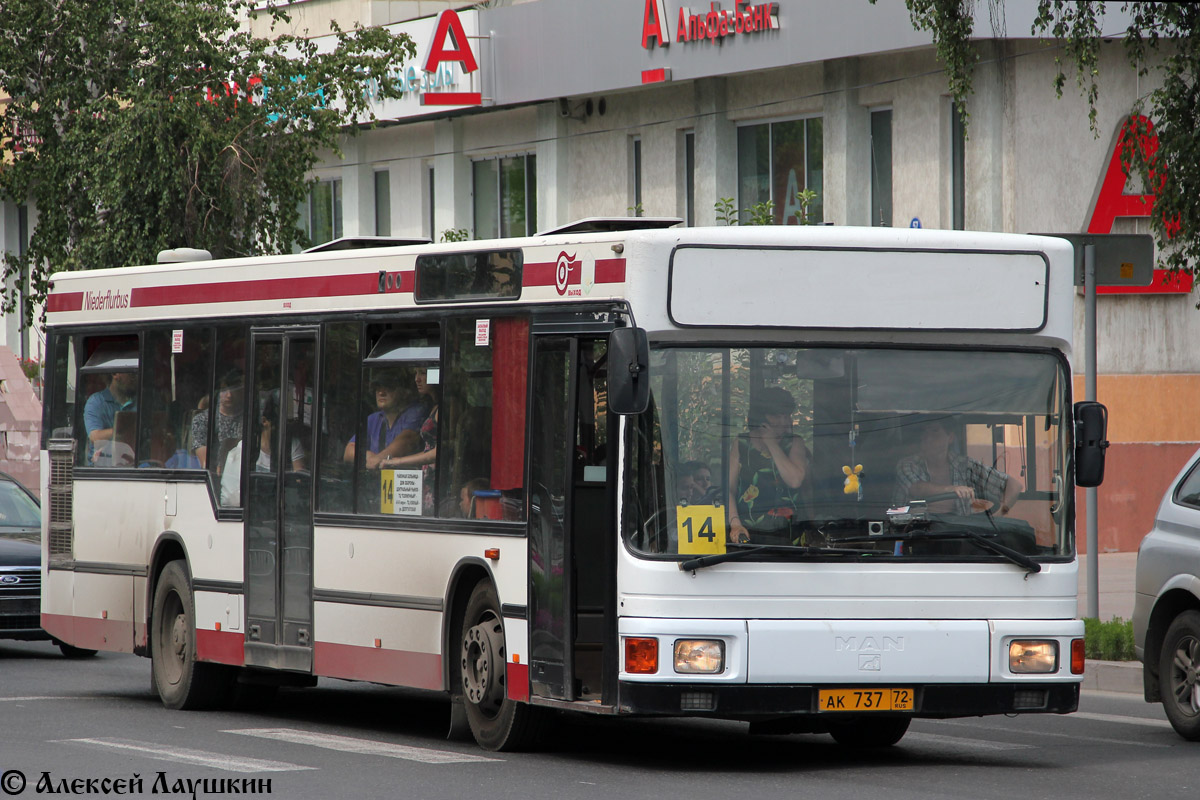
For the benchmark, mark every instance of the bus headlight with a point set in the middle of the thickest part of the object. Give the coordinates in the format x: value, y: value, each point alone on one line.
x: 705, y: 656
x: 1033, y: 655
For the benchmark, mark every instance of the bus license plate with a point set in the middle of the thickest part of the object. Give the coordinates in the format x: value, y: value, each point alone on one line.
x: 884, y: 699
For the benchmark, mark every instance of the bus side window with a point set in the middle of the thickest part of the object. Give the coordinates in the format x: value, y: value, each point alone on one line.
x: 340, y: 415
x: 180, y: 361
x: 482, y: 421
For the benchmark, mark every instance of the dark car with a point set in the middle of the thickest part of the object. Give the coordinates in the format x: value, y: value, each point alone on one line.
x: 21, y: 566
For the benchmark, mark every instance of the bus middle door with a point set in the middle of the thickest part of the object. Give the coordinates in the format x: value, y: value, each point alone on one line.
x: 277, y: 476
x: 571, y: 546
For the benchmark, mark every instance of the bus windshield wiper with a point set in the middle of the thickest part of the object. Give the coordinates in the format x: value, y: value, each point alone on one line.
x: 740, y: 553
x: 1015, y: 556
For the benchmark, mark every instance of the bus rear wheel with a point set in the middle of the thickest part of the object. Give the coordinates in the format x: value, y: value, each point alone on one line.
x: 181, y: 681
x: 497, y: 722
x: 873, y: 732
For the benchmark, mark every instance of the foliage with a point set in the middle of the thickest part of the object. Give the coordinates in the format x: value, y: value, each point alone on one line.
x: 153, y: 124
x: 726, y: 213
x: 805, y: 198
x: 1161, y: 40
x: 762, y: 213
x: 635, y: 210
x: 1108, y: 641
x: 455, y: 235
x: 32, y: 368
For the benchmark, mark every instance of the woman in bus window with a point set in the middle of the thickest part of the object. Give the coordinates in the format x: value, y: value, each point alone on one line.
x: 767, y: 468
x: 394, y: 429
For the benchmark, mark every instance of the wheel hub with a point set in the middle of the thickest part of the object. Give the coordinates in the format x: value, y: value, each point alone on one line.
x: 482, y: 644
x: 1186, y: 677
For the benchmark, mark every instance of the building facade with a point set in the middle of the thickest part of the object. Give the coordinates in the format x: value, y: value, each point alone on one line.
x: 520, y: 116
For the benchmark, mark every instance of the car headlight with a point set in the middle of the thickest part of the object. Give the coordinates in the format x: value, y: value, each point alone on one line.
x: 1033, y: 655
x: 706, y: 656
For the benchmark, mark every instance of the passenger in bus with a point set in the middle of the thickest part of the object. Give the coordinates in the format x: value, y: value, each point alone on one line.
x: 231, y: 474
x: 426, y: 458
x: 767, y: 468
x: 695, y: 484
x: 937, y: 468
x: 229, y: 416
x: 466, y: 496
x: 105, y: 446
x: 393, y: 430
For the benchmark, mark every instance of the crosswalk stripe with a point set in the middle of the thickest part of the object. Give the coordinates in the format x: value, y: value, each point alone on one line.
x: 347, y: 744
x: 185, y: 755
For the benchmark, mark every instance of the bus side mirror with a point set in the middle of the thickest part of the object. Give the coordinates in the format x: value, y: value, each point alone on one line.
x: 628, y: 371
x: 1091, y: 430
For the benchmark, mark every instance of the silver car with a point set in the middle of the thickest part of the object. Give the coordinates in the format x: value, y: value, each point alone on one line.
x: 1166, y: 609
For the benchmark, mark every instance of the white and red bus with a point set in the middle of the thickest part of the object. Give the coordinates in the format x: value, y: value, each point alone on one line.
x: 820, y: 479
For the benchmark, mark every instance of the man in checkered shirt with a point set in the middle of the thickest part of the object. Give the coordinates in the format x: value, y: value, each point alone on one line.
x: 937, y: 469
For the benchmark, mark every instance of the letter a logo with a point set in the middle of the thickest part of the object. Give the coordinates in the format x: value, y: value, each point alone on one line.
x: 450, y: 26
x: 654, y: 24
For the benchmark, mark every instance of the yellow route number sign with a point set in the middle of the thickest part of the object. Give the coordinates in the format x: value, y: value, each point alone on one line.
x: 701, y: 529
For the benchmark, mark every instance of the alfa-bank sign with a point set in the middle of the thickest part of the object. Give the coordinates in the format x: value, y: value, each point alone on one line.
x: 445, y: 74
x: 696, y: 26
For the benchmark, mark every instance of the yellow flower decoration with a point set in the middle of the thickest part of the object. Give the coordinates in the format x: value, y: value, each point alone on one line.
x: 750, y: 493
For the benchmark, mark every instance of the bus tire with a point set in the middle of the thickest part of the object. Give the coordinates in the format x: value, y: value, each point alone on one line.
x: 181, y: 681
x: 1179, y: 674
x: 497, y: 722
x: 869, y: 732
x: 70, y: 651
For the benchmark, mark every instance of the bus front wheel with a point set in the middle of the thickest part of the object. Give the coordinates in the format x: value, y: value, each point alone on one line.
x: 181, y: 681
x: 497, y: 722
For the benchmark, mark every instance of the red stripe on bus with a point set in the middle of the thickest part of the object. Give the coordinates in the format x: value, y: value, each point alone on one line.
x: 221, y: 647
x: 538, y: 273
x: 517, y: 680
x: 610, y: 270
x: 242, y: 291
x: 395, y: 667
x: 64, y: 301
x: 90, y: 633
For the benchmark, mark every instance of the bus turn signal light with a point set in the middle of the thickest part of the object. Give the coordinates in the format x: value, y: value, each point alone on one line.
x: 641, y: 655
x: 1077, y: 656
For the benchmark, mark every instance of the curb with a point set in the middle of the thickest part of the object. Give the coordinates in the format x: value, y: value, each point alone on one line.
x: 1113, y: 676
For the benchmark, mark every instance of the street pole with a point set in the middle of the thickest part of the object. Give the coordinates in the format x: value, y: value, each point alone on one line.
x: 1089, y: 393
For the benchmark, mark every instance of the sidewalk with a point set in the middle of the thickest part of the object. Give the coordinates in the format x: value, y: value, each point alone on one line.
x: 1116, y: 579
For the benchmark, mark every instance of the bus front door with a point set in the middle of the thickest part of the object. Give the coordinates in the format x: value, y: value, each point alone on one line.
x: 278, y: 502
x: 571, y: 546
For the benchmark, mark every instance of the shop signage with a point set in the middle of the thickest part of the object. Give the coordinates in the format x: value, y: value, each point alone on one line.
x: 714, y: 24
x: 1112, y: 202
x: 450, y: 45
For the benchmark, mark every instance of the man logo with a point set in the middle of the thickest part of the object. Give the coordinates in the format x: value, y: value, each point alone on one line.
x: 9, y: 580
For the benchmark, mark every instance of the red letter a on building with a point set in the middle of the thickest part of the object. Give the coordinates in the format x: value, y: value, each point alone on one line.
x: 449, y: 25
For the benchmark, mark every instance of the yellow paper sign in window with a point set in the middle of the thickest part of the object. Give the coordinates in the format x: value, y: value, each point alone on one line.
x: 701, y: 529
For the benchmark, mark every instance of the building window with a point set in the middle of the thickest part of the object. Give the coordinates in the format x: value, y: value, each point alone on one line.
x: 505, y: 197
x: 321, y: 217
x: 778, y: 160
x: 689, y: 178
x: 383, y: 203
x: 433, y: 237
x: 958, y: 170
x: 881, y: 167
x: 635, y: 179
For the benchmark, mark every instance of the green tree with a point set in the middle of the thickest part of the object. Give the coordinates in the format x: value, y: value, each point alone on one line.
x: 1163, y: 40
x: 152, y: 124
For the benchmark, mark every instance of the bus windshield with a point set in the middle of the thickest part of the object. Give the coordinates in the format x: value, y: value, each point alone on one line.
x: 828, y: 453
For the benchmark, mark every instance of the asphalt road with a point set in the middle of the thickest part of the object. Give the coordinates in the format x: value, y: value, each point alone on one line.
x: 63, y: 723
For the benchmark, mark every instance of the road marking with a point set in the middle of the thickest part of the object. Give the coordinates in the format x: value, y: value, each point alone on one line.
x: 959, y: 743
x: 347, y: 744
x: 1072, y: 736
x: 43, y: 697
x: 185, y: 755
x: 1152, y: 723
